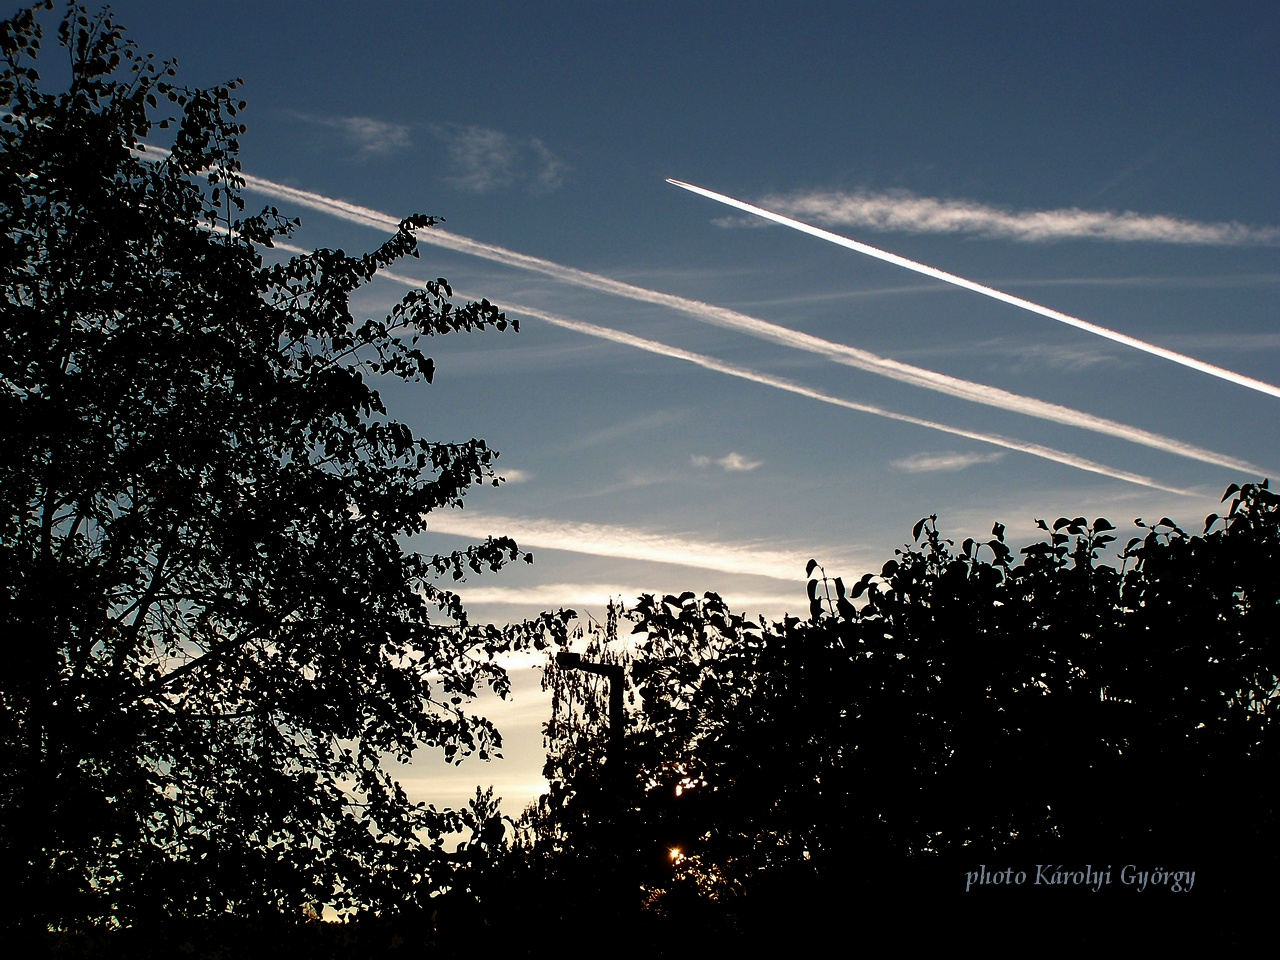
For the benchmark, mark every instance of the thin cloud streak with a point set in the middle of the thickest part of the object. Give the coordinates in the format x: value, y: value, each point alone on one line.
x: 550, y: 595
x: 762, y: 329
x: 624, y: 543
x: 904, y: 212
x: 943, y: 462
x: 731, y: 463
x: 1179, y: 358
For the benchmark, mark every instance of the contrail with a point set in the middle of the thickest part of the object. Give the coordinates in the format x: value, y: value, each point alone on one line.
x: 755, y: 376
x: 935, y: 273
x: 733, y: 320
x: 780, y: 383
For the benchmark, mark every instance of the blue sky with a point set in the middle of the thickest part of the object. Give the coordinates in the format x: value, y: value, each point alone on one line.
x: 1114, y: 162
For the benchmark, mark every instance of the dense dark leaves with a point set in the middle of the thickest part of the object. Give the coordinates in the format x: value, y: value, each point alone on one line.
x: 214, y: 633
x: 972, y: 709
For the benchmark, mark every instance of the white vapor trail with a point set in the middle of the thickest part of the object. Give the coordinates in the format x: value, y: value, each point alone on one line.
x: 1180, y: 358
x: 755, y: 376
x: 790, y: 386
x: 732, y: 319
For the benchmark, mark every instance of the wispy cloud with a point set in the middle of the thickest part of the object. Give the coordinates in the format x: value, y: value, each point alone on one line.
x: 732, y: 463
x: 485, y: 160
x: 370, y: 136
x: 943, y: 462
x: 515, y: 476
x: 628, y: 428
x: 1019, y: 357
x: 900, y: 211
x: 551, y: 595
x: 627, y: 543
x: 915, y: 266
x: 549, y: 172
x: 739, y: 223
x: 764, y: 330
x: 1159, y: 281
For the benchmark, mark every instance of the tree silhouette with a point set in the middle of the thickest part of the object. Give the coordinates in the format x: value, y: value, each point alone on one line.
x: 960, y: 708
x: 215, y: 636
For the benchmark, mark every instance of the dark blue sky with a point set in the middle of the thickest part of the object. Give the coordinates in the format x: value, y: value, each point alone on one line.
x: 974, y: 137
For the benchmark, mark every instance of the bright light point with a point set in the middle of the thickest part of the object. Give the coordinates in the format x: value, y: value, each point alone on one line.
x: 675, y: 853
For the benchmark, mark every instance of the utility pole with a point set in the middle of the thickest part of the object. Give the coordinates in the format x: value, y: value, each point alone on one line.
x: 612, y: 672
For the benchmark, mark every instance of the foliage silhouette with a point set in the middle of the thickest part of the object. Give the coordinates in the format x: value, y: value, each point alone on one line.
x: 215, y: 634
x: 959, y: 708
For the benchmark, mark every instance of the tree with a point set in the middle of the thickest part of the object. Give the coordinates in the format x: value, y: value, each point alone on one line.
x: 215, y: 635
x: 958, y: 708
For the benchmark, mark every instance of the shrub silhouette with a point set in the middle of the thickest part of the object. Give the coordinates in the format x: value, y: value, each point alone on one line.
x: 216, y: 636
x: 962, y: 707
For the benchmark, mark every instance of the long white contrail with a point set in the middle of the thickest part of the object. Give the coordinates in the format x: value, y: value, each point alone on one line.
x: 1214, y: 371
x: 733, y: 320
x: 755, y: 376
x: 780, y: 383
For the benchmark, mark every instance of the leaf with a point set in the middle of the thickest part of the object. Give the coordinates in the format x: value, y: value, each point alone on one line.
x: 810, y: 567
x: 815, y: 609
x: 915, y: 531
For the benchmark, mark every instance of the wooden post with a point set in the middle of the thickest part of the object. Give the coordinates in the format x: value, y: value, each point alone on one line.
x: 614, y: 674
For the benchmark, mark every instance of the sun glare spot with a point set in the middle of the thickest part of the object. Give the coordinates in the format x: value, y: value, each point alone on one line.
x: 675, y: 854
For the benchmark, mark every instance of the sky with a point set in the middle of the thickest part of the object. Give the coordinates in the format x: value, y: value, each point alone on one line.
x: 700, y: 399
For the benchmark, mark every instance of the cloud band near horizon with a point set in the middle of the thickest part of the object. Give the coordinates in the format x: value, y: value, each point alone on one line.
x: 628, y: 543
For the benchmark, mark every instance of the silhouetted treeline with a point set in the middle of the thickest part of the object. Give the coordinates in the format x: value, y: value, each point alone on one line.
x: 963, y: 713
x: 880, y: 774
